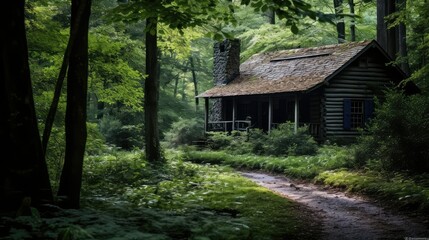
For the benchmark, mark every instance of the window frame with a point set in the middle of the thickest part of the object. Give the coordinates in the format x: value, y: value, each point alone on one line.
x: 349, y: 116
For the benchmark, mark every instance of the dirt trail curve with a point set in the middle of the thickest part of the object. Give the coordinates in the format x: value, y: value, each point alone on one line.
x: 344, y: 217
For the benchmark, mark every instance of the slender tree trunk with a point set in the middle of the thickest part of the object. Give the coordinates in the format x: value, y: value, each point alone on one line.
x: 176, y: 79
x: 194, y: 80
x: 60, y: 81
x: 151, y: 91
x: 24, y: 178
x: 54, y: 105
x: 183, y: 92
x: 341, y: 29
x: 353, y: 22
x: 77, y: 87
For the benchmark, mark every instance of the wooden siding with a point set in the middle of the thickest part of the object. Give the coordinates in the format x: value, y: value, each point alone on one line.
x: 360, y: 81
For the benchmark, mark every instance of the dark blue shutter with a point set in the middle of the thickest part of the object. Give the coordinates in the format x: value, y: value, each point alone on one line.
x: 368, y: 109
x: 347, y: 113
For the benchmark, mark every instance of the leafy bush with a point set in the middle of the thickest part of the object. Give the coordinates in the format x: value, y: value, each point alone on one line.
x: 185, y: 131
x: 219, y: 140
x: 398, y: 136
x: 95, y: 142
x: 282, y: 141
x: 258, y: 139
x: 126, y: 137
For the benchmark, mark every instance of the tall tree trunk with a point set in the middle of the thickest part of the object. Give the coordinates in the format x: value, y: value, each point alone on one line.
x: 194, y: 80
x: 402, y: 38
x: 341, y: 28
x: 353, y: 21
x: 381, y: 24
x: 24, y: 178
x: 386, y: 37
x: 60, y: 80
x: 151, y: 91
x: 393, y: 39
x: 77, y: 87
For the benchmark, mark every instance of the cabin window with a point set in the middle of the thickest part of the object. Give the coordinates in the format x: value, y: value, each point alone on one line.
x: 357, y: 113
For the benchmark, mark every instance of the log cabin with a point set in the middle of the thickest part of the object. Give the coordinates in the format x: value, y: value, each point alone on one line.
x: 330, y: 89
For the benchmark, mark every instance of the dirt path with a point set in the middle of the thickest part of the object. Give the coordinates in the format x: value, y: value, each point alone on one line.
x: 344, y: 217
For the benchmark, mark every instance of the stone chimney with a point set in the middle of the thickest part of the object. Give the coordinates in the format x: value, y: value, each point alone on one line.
x: 226, y: 67
x: 226, y: 64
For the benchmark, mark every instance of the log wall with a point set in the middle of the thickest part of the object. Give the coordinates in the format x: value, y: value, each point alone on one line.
x: 362, y: 80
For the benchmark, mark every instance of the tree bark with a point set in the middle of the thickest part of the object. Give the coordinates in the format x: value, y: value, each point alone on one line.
x: 402, y: 39
x: 392, y: 39
x: 386, y: 37
x: 23, y: 171
x: 60, y: 81
x: 353, y: 22
x: 57, y: 93
x: 77, y: 87
x: 341, y: 29
x: 194, y: 80
x: 151, y: 91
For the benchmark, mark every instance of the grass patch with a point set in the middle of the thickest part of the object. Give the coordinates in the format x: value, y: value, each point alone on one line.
x: 305, y: 167
x: 124, y: 197
x: 406, y: 192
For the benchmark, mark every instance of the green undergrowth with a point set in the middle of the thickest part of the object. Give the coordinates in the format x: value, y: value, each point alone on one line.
x: 305, y: 167
x: 124, y: 197
x: 333, y: 166
x: 405, y: 192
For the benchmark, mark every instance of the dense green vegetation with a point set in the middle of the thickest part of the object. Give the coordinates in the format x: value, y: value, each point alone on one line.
x: 302, y: 166
x: 281, y: 141
x: 125, y: 197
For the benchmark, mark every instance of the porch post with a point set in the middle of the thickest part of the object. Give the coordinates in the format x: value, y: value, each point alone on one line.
x: 270, y: 113
x: 234, y: 108
x: 296, y: 113
x: 206, y: 114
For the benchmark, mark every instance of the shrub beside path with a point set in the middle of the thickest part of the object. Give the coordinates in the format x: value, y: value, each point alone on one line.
x: 345, y: 216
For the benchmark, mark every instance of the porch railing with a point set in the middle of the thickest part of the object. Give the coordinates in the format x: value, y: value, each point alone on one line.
x: 243, y: 125
x: 239, y: 125
x: 314, y: 129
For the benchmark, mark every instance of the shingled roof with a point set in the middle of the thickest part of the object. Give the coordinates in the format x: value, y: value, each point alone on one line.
x: 287, y: 71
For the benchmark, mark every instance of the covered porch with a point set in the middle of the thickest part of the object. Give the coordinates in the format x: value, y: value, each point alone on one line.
x: 263, y: 112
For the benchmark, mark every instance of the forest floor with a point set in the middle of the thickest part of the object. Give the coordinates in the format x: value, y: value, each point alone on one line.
x: 343, y: 215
